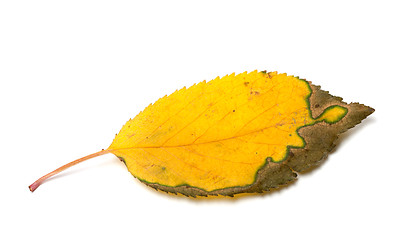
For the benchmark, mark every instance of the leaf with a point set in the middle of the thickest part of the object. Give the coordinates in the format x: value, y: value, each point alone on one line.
x: 243, y: 133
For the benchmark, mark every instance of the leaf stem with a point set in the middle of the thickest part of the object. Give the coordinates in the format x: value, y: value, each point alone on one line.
x: 38, y: 182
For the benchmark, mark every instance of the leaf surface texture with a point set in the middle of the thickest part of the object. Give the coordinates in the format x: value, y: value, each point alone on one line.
x: 219, y: 134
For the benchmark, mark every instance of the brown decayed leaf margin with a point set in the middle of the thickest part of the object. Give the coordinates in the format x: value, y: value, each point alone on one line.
x: 319, y: 141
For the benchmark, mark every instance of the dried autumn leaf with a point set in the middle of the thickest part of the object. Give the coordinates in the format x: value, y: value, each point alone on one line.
x: 241, y: 133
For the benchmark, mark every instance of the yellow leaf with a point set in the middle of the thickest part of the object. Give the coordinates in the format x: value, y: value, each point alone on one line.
x: 239, y: 133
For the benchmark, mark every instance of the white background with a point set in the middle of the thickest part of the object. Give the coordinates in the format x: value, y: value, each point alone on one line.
x: 73, y: 72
